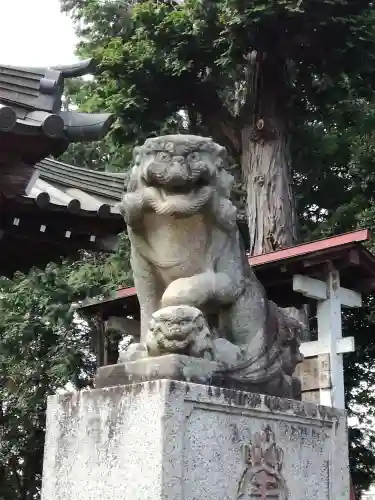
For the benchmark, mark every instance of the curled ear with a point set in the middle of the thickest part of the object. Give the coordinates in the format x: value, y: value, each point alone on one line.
x: 132, y: 183
x: 136, y: 152
x: 222, y: 157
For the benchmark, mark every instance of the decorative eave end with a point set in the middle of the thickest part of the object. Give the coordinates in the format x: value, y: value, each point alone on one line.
x: 38, y: 89
x: 86, y: 67
x: 30, y: 107
x: 81, y: 127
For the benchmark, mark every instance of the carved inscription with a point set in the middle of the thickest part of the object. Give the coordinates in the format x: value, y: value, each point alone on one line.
x: 262, y: 477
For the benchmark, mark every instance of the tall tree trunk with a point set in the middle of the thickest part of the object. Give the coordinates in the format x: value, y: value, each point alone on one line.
x: 265, y: 161
x: 270, y: 204
x: 266, y: 166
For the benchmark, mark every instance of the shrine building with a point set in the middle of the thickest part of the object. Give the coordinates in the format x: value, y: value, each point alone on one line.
x: 49, y: 209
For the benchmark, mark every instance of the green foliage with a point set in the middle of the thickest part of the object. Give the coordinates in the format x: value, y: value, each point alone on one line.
x: 359, y: 387
x: 106, y: 154
x: 44, y: 346
x: 102, y: 155
x: 334, y: 170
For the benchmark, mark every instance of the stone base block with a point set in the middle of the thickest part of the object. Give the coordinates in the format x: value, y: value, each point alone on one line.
x: 170, y: 366
x: 168, y: 440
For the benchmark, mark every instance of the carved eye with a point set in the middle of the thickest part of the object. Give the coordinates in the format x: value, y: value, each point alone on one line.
x: 194, y: 157
x: 162, y: 156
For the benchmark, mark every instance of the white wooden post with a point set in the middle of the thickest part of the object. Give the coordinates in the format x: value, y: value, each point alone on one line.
x: 330, y: 297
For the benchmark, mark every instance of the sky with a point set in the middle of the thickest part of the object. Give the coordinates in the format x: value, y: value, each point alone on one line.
x: 35, y: 33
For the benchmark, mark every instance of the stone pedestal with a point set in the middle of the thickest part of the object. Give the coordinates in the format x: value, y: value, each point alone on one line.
x: 167, y: 440
x: 167, y: 367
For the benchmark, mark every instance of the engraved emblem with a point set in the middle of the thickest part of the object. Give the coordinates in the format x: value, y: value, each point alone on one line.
x: 262, y: 478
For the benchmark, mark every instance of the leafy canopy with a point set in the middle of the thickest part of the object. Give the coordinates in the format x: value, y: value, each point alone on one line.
x: 158, y: 57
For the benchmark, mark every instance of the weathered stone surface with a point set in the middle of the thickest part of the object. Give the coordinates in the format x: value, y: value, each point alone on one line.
x: 170, y: 366
x: 170, y: 440
x: 179, y: 329
x: 123, y: 326
x: 186, y: 252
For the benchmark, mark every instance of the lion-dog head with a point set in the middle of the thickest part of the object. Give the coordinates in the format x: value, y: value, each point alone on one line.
x: 179, y: 174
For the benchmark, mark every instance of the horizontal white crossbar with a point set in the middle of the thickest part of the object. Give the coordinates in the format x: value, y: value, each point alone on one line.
x: 316, y: 348
x: 316, y: 289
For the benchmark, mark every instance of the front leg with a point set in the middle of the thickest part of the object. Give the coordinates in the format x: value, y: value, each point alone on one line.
x: 132, y: 207
x: 148, y: 288
x: 198, y: 290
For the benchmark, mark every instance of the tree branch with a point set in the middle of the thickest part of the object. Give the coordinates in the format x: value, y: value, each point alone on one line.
x: 221, y: 124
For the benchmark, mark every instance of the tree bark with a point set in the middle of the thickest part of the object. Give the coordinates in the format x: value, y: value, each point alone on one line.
x: 265, y: 161
x: 266, y: 166
x: 270, y: 206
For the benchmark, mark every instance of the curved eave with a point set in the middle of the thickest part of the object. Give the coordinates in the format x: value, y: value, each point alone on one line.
x: 76, y: 70
x: 69, y: 126
x: 105, y: 185
x: 74, y: 207
x: 81, y: 68
x: 30, y: 103
x: 82, y: 127
x: 30, y: 147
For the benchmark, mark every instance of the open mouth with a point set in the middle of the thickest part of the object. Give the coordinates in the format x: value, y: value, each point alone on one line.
x: 178, y: 186
x: 186, y: 188
x: 182, y: 200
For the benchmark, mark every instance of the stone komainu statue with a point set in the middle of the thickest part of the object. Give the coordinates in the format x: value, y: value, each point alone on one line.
x: 197, y: 292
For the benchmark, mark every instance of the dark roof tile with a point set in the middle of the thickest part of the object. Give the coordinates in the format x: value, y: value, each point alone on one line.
x: 30, y: 104
x: 103, y: 184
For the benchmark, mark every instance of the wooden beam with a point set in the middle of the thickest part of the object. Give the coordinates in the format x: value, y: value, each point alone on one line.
x: 316, y: 289
x: 349, y: 298
x: 354, y: 258
x: 317, y: 348
x: 310, y: 287
x: 344, y: 258
x: 367, y: 285
x: 330, y: 346
x: 31, y: 217
x: 16, y: 178
x: 329, y: 332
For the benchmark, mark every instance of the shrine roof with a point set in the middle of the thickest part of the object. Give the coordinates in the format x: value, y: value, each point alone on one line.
x: 61, y: 187
x: 36, y: 231
x: 275, y: 271
x: 76, y: 201
x: 346, y: 252
x: 70, y: 211
x: 310, y: 248
x: 30, y: 107
x: 106, y: 186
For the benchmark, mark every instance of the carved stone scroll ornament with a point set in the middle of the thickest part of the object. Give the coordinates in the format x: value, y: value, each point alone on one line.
x: 197, y: 293
x: 262, y: 478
